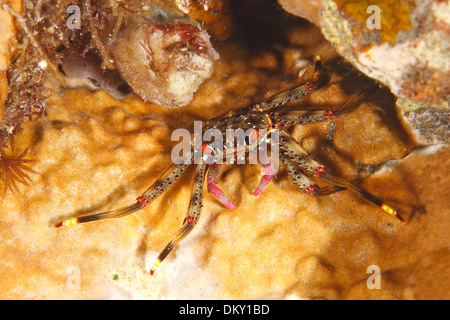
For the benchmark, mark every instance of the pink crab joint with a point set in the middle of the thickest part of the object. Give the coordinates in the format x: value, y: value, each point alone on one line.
x: 269, y: 172
x: 212, y: 187
x: 164, y: 63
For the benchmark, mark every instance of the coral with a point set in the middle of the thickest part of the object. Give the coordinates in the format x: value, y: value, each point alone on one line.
x: 49, y: 19
x: 164, y: 64
x: 26, y: 96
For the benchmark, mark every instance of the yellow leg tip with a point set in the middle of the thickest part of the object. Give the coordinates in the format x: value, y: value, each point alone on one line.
x: 392, y: 212
x: 66, y: 223
x: 388, y: 209
x: 155, y: 266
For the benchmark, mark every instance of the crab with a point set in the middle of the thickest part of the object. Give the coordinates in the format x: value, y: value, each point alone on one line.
x: 262, y: 123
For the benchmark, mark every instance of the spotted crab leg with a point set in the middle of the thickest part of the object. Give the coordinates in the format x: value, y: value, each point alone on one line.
x: 305, y: 183
x: 191, y: 219
x: 292, y: 94
x: 213, y: 172
x: 298, y: 155
x: 163, y: 183
x: 298, y: 115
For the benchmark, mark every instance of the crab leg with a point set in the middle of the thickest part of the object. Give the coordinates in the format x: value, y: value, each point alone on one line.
x: 304, y: 182
x: 298, y: 115
x: 298, y: 155
x: 346, y: 184
x: 213, y: 172
x: 292, y: 150
x: 163, y: 183
x: 269, y: 172
x: 292, y: 94
x: 191, y: 219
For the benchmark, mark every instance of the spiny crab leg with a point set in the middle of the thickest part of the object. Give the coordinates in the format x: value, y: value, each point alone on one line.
x: 298, y: 155
x: 163, y: 183
x: 191, y: 219
x: 213, y: 172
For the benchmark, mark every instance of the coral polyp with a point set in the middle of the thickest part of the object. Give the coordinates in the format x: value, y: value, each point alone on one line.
x: 14, y: 172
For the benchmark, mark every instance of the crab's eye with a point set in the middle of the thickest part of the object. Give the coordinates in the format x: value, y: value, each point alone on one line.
x: 252, y: 137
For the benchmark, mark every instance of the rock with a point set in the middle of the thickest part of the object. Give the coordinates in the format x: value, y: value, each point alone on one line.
x: 164, y: 63
x: 403, y: 44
